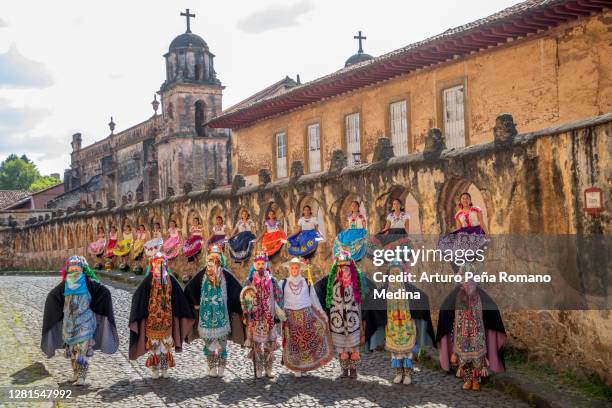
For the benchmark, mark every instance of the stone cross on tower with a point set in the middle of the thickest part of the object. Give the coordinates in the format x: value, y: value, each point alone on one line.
x: 187, y: 16
x: 360, y: 38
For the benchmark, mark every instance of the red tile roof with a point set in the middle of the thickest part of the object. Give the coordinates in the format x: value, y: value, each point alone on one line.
x: 9, y: 197
x: 513, y: 22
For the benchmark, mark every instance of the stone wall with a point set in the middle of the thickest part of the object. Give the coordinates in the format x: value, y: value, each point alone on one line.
x: 531, y: 183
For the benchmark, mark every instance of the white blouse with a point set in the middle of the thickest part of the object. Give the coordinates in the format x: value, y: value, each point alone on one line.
x: 219, y: 229
x: 357, y: 221
x: 398, y: 221
x: 247, y: 225
x: 297, y: 295
x: 272, y: 226
x: 308, y: 224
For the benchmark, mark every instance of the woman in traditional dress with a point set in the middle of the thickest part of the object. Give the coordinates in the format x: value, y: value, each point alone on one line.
x: 408, y: 325
x: 172, y: 245
x: 470, y: 231
x: 243, y: 237
x: 157, y: 231
x: 214, y: 294
x: 125, y: 245
x: 273, y: 236
x: 193, y: 245
x: 139, y: 242
x: 354, y: 238
x: 471, y: 333
x: 112, y: 242
x: 160, y: 318
x: 307, y: 341
x: 306, y: 239
x: 218, y: 234
x: 97, y: 247
x: 79, y: 317
x: 395, y: 232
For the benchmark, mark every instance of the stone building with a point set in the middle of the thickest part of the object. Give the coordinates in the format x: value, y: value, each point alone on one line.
x: 169, y: 153
x: 548, y: 62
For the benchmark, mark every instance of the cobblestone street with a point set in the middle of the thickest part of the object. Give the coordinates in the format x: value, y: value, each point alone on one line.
x: 114, y: 380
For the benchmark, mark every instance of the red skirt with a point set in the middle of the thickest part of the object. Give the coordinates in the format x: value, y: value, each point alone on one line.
x: 192, y: 246
x: 112, y: 243
x: 272, y: 242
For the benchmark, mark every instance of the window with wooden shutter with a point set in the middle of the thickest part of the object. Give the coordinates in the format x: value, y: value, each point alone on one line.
x: 314, y: 148
x: 281, y: 155
x: 398, y: 121
x: 454, y: 116
x: 353, y: 138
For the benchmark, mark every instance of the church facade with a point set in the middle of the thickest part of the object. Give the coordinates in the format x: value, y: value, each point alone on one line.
x: 170, y: 153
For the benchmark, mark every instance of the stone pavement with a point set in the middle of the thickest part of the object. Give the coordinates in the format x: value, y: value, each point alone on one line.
x: 114, y: 380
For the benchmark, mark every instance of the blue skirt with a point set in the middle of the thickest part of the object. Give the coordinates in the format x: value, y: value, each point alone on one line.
x: 353, y: 240
x: 241, y: 245
x: 303, y: 243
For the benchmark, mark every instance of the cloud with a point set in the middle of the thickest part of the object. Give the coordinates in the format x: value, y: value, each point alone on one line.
x: 3, y: 23
x: 16, y: 123
x: 274, y: 16
x: 16, y: 71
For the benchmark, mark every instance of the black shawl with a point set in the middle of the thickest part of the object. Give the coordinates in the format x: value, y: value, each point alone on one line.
x: 419, y: 309
x: 106, y: 338
x: 193, y: 293
x: 369, y: 314
x: 182, y: 314
x: 490, y: 314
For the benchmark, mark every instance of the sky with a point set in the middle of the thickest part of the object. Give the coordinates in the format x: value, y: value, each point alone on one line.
x: 68, y: 66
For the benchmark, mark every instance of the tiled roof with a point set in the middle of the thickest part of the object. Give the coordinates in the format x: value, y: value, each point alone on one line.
x: 275, y: 89
x: 9, y: 197
x: 517, y: 21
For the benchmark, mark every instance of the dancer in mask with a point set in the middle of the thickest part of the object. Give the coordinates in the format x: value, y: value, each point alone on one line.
x: 160, y: 318
x: 79, y: 317
x: 471, y: 333
x: 262, y: 303
x: 214, y: 293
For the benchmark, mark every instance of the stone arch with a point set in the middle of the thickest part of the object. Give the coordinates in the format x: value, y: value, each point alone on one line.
x: 78, y: 235
x: 60, y: 242
x: 70, y: 242
x: 278, y: 208
x: 100, y: 226
x: 191, y: 215
x: 449, y: 198
x: 409, y: 203
x: 18, y: 243
x: 90, y: 234
x: 212, y: 215
x: 155, y: 219
x: 317, y: 211
x: 176, y: 218
x: 236, y: 216
x: 341, y: 208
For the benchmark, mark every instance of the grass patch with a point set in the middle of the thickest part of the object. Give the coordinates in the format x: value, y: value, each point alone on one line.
x: 590, y: 384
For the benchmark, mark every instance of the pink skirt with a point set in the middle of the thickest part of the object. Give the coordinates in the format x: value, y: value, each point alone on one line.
x: 172, y: 247
x: 96, y: 248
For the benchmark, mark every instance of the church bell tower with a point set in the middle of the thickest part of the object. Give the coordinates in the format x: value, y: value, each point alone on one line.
x: 188, y: 152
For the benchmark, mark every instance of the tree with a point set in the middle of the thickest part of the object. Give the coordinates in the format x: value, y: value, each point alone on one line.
x: 17, y: 174
x: 44, y: 182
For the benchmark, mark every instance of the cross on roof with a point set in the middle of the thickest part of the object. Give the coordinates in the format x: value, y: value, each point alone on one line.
x: 187, y: 16
x: 360, y: 38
